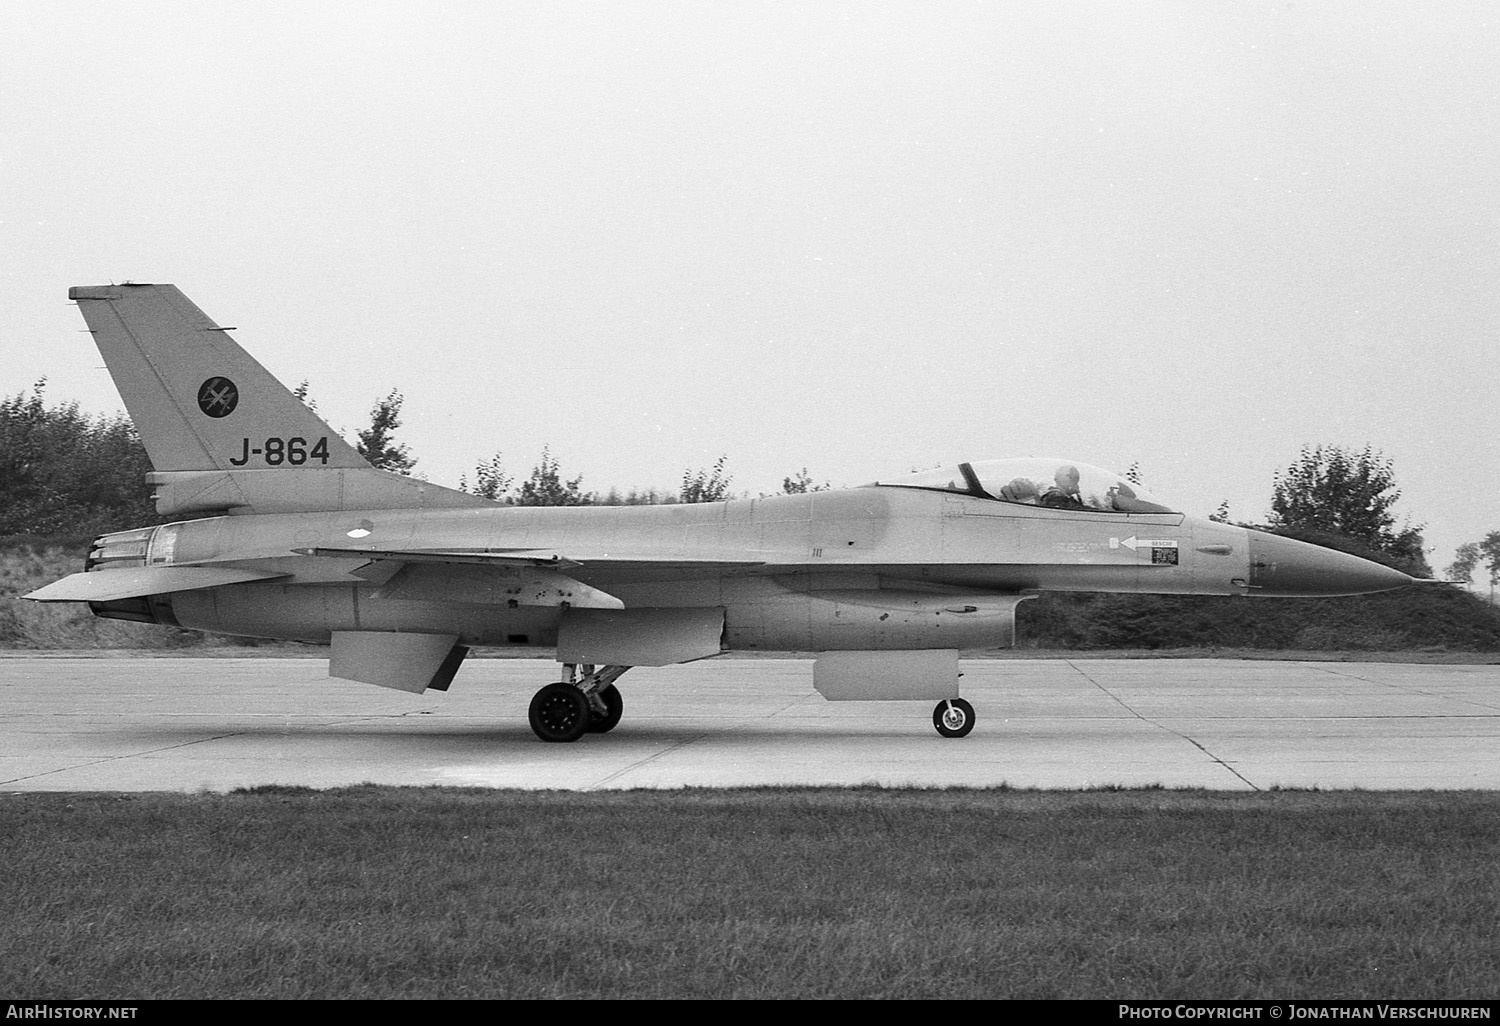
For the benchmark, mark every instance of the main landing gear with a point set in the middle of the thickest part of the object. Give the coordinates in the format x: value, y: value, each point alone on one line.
x: 953, y: 717
x: 581, y: 703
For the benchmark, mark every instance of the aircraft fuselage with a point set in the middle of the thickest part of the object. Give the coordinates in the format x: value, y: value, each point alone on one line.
x: 864, y: 568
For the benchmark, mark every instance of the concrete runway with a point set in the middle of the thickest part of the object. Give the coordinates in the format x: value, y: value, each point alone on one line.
x: 190, y: 724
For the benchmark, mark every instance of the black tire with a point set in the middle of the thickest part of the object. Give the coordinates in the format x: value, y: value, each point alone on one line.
x: 559, y: 712
x: 614, y: 707
x: 953, y: 717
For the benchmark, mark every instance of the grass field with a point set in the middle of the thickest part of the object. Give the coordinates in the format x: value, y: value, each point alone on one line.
x: 376, y: 892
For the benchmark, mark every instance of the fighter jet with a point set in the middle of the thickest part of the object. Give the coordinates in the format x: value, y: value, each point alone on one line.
x: 284, y: 531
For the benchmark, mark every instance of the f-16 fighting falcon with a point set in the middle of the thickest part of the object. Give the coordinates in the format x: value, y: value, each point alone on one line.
x: 284, y: 531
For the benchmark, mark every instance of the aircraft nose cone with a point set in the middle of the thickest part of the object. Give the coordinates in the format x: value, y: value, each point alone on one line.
x: 1285, y: 568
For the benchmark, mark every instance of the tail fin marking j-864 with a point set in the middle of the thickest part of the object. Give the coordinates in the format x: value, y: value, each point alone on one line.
x: 222, y: 433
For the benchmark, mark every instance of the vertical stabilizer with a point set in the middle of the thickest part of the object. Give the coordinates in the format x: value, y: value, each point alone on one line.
x: 199, y: 401
x: 222, y: 433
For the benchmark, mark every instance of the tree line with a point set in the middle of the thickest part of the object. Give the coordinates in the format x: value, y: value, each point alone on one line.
x: 547, y: 485
x: 63, y: 472
x: 1472, y: 555
x: 1333, y: 496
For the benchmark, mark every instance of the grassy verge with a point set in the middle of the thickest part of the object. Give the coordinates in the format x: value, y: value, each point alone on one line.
x: 373, y: 892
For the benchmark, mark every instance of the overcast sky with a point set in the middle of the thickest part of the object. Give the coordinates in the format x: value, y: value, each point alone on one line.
x: 859, y: 238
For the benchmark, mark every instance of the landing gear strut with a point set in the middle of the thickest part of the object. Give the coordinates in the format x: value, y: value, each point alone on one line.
x: 585, y: 701
x: 953, y: 717
x: 614, y: 705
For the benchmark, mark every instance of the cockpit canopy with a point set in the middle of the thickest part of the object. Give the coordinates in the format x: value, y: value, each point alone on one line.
x: 1057, y: 484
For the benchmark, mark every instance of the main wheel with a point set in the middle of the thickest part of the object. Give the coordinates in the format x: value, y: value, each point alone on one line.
x: 614, y: 706
x: 559, y: 712
x: 953, y: 717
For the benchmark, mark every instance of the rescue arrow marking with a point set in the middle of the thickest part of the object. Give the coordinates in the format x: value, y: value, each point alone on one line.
x: 1133, y: 543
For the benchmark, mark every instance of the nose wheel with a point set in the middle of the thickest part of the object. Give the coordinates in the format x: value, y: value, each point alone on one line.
x: 953, y: 717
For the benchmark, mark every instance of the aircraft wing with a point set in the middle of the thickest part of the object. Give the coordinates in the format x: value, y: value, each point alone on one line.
x: 536, y: 558
x: 603, y: 631
x: 136, y: 582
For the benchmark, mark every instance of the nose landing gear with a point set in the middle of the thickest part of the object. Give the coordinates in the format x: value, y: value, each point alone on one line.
x: 953, y: 717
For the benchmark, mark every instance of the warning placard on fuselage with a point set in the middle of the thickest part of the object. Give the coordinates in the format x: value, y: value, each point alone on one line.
x: 1159, y: 551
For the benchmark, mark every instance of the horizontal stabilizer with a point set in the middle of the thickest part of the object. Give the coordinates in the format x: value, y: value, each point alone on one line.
x: 136, y: 582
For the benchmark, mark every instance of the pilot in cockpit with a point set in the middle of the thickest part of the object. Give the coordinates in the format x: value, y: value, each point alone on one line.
x: 1074, y: 486
x: 1020, y: 490
x: 1064, y: 492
